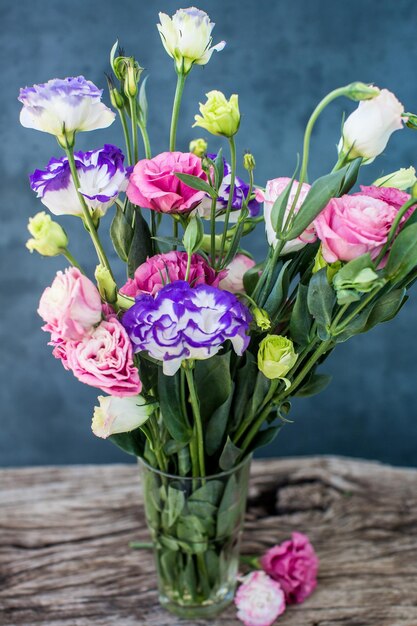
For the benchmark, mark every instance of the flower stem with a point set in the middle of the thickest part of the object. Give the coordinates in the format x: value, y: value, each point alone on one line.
x: 126, y: 135
x: 146, y: 142
x: 176, y: 109
x: 67, y: 254
x: 197, y: 419
x: 134, y: 125
x: 86, y: 211
x: 213, y: 232
x: 231, y: 192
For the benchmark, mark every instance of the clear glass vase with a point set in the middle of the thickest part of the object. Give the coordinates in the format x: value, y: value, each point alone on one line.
x: 196, y: 525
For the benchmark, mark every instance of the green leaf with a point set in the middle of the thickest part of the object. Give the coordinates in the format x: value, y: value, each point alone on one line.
x: 279, y: 291
x: 189, y: 579
x: 213, y: 382
x: 280, y: 205
x: 320, y: 301
x: 219, y: 168
x: 141, y: 246
x: 121, y: 234
x: 143, y: 103
x: 261, y: 389
x: 132, y: 442
x: 171, y: 408
x: 148, y: 372
x: 210, y: 492
x: 356, y: 326
x: 263, y: 437
x: 315, y: 384
x: 251, y: 277
x: 168, y: 561
x: 245, y: 380
x: 174, y: 504
x: 229, y: 455
x: 212, y: 564
x: 229, y: 509
x: 196, y: 183
x: 351, y: 176
x: 385, y: 308
x: 403, y: 256
x: 322, y: 190
x: 204, y: 510
x: 300, y: 322
x: 190, y: 528
x: 193, y: 235
x: 217, y: 424
x: 173, y: 447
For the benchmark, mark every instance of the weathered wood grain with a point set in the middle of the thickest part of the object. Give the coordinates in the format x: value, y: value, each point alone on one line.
x: 65, y: 558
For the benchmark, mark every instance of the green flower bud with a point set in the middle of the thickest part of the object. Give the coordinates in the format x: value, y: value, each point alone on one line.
x: 361, y: 91
x: 116, y: 97
x: 249, y: 162
x: 198, y: 147
x: 218, y: 115
x: 356, y: 278
x: 276, y: 356
x: 402, y: 179
x: 261, y: 318
x: 193, y: 235
x: 410, y: 120
x: 49, y: 238
x: 105, y: 283
x: 319, y: 263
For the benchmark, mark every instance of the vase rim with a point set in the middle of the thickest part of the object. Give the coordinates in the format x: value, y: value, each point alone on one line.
x: 222, y: 474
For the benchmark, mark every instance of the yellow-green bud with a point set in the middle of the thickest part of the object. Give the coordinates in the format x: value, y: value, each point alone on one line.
x: 218, y: 115
x: 402, y: 179
x: 106, y: 285
x: 48, y: 237
x: 261, y: 318
x: 361, y: 91
x: 276, y: 356
x: 319, y: 263
x: 198, y: 147
x: 116, y: 97
x: 249, y: 162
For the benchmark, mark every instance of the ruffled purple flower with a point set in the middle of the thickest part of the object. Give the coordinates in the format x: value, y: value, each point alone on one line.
x: 181, y: 322
x: 240, y: 191
x: 102, y: 176
x: 64, y: 106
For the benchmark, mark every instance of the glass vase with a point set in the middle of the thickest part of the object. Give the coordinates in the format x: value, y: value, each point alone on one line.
x: 196, y: 526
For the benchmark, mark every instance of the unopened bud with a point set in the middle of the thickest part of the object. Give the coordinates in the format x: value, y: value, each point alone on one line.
x: 261, y: 318
x: 198, y: 147
x: 361, y: 91
x: 48, y: 237
x: 116, y: 97
x: 249, y: 162
x: 105, y: 283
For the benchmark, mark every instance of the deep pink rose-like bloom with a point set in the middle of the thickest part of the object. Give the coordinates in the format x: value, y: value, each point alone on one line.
x: 392, y: 196
x: 354, y: 225
x: 104, y: 360
x: 161, y: 269
x: 71, y: 306
x: 153, y: 184
x: 259, y: 600
x: 294, y: 564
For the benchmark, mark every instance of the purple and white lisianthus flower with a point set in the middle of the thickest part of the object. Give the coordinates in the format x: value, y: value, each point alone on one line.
x: 181, y: 322
x: 240, y: 192
x: 102, y: 177
x: 63, y: 107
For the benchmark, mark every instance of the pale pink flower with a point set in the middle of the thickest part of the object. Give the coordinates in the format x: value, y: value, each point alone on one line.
x: 71, y: 306
x: 233, y: 281
x: 259, y: 600
x: 294, y: 565
x: 119, y: 415
x: 161, y: 269
x: 354, y: 225
x: 274, y: 188
x: 153, y: 184
x: 105, y: 360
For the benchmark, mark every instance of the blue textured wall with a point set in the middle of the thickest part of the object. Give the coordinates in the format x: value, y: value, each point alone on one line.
x: 281, y: 57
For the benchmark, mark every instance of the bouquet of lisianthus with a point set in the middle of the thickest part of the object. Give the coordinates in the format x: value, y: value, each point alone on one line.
x: 201, y: 350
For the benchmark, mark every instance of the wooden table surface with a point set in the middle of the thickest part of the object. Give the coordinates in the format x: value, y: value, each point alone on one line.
x: 65, y: 531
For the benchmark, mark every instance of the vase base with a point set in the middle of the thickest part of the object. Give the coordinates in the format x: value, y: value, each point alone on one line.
x: 197, y: 611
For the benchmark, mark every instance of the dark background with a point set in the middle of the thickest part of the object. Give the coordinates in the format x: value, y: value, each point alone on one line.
x: 281, y: 58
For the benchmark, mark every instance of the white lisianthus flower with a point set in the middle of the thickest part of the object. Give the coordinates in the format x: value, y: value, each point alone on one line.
x: 367, y: 130
x: 119, y: 415
x: 187, y: 37
x: 402, y: 179
x: 63, y: 107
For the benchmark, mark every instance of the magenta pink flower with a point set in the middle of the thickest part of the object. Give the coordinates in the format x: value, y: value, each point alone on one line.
x: 233, y: 281
x: 71, y: 306
x: 294, y: 564
x: 392, y: 196
x: 354, y: 225
x: 153, y: 184
x: 161, y: 269
x: 103, y: 360
x: 259, y: 600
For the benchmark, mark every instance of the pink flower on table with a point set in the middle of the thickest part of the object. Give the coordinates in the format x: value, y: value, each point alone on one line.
x: 354, y: 225
x: 71, y: 306
x: 294, y: 565
x: 161, y: 269
x: 104, y: 360
x: 153, y: 184
x: 235, y: 271
x: 274, y: 188
x: 259, y: 600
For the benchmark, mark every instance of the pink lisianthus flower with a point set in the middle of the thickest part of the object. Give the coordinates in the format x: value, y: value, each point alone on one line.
x: 71, y: 306
x: 354, y: 225
x: 392, y: 196
x: 294, y: 565
x: 153, y: 184
x: 259, y: 600
x: 161, y: 269
x: 235, y: 271
x: 274, y: 188
x: 103, y: 359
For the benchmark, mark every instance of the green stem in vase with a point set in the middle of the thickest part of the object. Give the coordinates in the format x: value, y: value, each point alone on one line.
x: 176, y: 109
x: 197, y: 418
